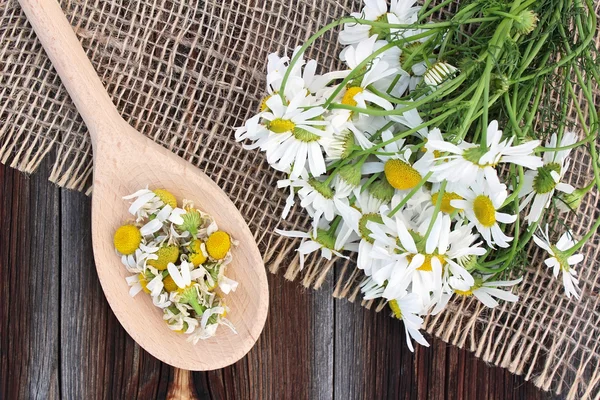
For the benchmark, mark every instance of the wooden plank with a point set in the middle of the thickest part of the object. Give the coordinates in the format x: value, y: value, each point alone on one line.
x: 293, y: 358
x: 29, y: 285
x: 98, y: 359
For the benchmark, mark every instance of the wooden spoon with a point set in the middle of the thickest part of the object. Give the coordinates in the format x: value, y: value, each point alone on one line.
x: 125, y: 161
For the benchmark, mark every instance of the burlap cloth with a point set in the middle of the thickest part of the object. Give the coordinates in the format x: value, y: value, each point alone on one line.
x: 185, y: 74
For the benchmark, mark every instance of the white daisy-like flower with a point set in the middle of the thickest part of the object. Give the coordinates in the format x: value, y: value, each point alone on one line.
x: 539, y: 185
x: 400, y: 12
x: 302, y: 76
x: 480, y: 205
x: 291, y: 135
x: 323, y: 241
x: 486, y: 291
x: 374, y: 10
x: 409, y: 257
x: 467, y: 162
x: 355, y: 219
x: 407, y: 307
x: 315, y: 196
x: 357, y: 94
x: 560, y: 261
x: 399, y: 171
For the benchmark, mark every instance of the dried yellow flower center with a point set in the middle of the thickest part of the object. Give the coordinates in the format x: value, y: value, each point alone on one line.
x: 143, y: 282
x: 127, y: 239
x: 401, y: 175
x: 166, y: 255
x: 169, y: 283
x: 446, y: 199
x: 348, y: 98
x: 197, y: 257
x: 484, y: 210
x: 166, y: 197
x: 279, y: 125
x: 218, y: 245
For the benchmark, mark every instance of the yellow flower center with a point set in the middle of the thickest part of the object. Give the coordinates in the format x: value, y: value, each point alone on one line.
x: 401, y: 175
x: 395, y: 309
x: 166, y: 197
x: 279, y: 125
x: 197, y: 257
x: 169, y: 283
x: 166, y: 255
x: 446, y: 199
x: 348, y: 98
x: 464, y: 293
x: 426, y: 266
x: 263, y: 103
x: 484, y: 210
x: 143, y: 282
x: 127, y: 239
x: 218, y: 245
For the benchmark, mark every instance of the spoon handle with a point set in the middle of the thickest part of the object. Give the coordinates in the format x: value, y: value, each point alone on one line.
x: 74, y: 68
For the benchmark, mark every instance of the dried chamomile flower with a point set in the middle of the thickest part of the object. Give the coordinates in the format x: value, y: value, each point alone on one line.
x: 167, y: 249
x: 218, y: 245
x: 127, y: 239
x: 166, y: 255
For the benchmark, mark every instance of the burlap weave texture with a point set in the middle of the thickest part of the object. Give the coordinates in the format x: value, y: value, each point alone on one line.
x: 185, y: 74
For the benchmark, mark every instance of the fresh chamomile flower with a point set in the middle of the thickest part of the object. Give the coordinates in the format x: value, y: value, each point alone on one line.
x: 450, y: 193
x: 560, y: 260
x: 315, y: 196
x: 486, y: 291
x: 357, y: 93
x: 323, y: 240
x: 291, y: 134
x: 302, y: 76
x: 540, y: 185
x: 480, y: 204
x: 407, y: 307
x: 411, y: 253
x: 354, y: 219
x: 353, y: 32
x: 399, y: 12
x: 395, y: 163
x: 468, y: 162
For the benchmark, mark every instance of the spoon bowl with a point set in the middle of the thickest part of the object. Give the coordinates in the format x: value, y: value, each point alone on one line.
x: 126, y: 161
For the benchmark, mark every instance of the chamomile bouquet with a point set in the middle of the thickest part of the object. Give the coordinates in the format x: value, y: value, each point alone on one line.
x: 423, y: 157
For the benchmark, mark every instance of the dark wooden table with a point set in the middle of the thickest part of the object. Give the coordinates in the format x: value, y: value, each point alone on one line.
x: 59, y: 338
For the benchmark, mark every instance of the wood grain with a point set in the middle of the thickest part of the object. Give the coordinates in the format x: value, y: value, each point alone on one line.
x: 313, y: 347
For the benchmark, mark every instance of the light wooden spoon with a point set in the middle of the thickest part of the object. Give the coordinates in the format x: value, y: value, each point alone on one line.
x: 125, y: 161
